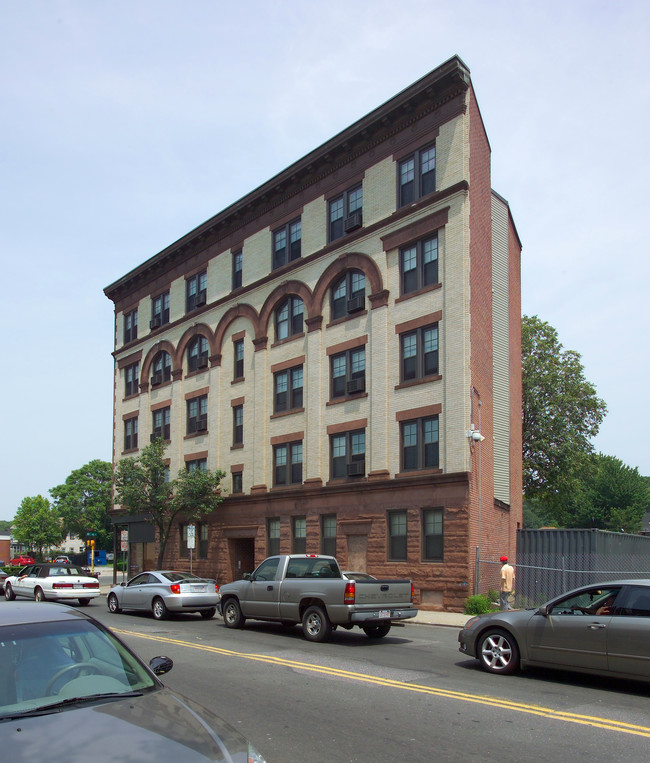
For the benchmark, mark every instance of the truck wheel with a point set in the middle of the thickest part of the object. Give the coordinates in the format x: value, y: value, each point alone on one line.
x: 377, y: 631
x: 232, y: 616
x: 316, y: 625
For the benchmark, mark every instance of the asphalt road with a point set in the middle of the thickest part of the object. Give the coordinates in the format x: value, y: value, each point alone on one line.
x: 410, y: 696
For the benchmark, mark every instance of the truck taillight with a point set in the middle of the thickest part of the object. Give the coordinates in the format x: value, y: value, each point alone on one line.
x: 175, y: 588
x: 412, y: 593
x: 348, y: 597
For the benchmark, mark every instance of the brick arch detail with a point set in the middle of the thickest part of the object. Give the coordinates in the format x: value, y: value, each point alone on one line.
x: 349, y: 261
x: 200, y: 329
x: 163, y: 344
x: 242, y: 310
x: 286, y: 289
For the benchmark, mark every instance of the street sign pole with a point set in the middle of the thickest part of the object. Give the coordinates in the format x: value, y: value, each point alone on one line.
x: 191, y: 541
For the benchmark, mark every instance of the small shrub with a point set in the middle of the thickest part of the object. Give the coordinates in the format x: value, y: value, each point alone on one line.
x: 493, y: 595
x: 478, y: 604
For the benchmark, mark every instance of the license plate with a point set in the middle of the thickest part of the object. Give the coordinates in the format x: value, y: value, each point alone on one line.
x: 78, y: 585
x: 199, y: 589
x: 384, y: 613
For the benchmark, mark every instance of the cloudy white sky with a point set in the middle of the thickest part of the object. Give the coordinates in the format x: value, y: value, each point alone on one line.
x: 125, y: 124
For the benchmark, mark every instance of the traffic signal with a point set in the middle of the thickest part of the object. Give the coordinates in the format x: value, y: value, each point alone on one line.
x: 91, y: 543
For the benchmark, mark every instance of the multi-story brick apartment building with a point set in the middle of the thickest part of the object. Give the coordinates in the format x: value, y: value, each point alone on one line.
x: 336, y: 341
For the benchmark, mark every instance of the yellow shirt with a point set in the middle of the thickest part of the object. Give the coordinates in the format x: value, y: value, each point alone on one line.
x: 507, y: 577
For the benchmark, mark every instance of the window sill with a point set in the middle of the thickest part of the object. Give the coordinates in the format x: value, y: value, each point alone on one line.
x: 238, y: 380
x: 292, y: 486
x: 192, y: 435
x: 346, y: 398
x: 130, y: 450
x: 345, y: 318
x: 418, y: 292
x: 290, y: 412
x: 418, y: 472
x: 196, y: 372
x: 237, y: 446
x: 286, y: 340
x: 347, y: 480
x: 416, y: 382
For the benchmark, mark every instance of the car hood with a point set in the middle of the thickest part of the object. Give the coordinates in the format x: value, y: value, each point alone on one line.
x: 158, y: 726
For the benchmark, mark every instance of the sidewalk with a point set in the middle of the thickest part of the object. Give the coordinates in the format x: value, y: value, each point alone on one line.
x: 451, y: 619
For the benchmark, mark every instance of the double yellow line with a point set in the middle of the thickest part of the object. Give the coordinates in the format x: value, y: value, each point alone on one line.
x: 544, y: 712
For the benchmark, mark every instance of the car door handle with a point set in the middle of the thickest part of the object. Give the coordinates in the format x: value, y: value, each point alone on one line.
x: 269, y: 587
x: 596, y: 626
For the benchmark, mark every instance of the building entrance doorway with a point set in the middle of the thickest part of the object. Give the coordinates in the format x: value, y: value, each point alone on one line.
x: 242, y: 556
x: 358, y: 553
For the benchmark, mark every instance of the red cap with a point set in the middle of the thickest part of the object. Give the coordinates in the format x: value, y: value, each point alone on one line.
x: 503, y: 559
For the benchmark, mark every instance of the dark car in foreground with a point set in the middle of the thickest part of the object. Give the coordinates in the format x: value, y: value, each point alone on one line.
x: 602, y: 629
x: 71, y: 691
x: 162, y: 592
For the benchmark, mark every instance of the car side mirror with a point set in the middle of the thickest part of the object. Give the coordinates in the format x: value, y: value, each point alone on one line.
x: 544, y: 610
x: 123, y: 583
x: 161, y: 665
x: 247, y: 576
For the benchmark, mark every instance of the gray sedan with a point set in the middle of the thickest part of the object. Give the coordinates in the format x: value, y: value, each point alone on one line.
x: 602, y: 629
x: 166, y: 591
x: 72, y: 692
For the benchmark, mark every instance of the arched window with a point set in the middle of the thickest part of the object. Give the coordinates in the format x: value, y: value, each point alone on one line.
x: 289, y: 318
x: 197, y: 353
x: 348, y: 294
x: 161, y: 368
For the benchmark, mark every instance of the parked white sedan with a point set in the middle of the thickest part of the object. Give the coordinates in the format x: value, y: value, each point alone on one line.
x: 47, y: 581
x: 162, y: 592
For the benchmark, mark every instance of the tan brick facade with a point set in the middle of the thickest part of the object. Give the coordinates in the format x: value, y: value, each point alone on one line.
x: 439, y: 110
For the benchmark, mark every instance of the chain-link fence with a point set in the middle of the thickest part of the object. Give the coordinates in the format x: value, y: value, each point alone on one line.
x: 551, y: 562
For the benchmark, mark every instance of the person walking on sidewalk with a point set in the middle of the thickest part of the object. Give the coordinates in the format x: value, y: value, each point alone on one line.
x: 507, y: 583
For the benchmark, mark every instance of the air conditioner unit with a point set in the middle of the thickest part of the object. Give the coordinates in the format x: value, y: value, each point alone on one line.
x: 356, y: 385
x: 155, y: 322
x: 200, y: 299
x: 356, y: 468
x: 353, y: 222
x: 201, y: 425
x: 156, y: 379
x: 356, y: 304
x: 202, y: 361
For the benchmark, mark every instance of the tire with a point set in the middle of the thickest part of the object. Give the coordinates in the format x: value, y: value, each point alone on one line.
x: 113, y: 605
x: 84, y: 602
x: 232, y: 615
x: 39, y: 595
x: 498, y: 652
x: 316, y: 625
x: 159, y: 610
x: 207, y: 614
x: 377, y: 631
x: 9, y: 594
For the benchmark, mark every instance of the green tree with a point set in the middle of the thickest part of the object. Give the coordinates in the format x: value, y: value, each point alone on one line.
x: 84, y: 501
x: 612, y: 496
x: 37, y: 525
x: 142, y: 487
x: 561, y: 415
x: 5, y: 525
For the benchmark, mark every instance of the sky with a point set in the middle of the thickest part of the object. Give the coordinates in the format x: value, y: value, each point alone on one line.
x: 126, y: 124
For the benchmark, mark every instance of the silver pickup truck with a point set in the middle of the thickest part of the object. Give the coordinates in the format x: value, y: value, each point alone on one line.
x: 309, y: 589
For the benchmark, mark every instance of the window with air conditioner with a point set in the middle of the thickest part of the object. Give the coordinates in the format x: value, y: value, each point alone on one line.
x: 197, y: 353
x: 348, y: 372
x: 345, y: 213
x: 348, y: 454
x: 197, y: 414
x: 196, y: 291
x: 348, y: 295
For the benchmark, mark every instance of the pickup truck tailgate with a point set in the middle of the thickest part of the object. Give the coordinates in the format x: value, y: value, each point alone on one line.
x: 382, y: 592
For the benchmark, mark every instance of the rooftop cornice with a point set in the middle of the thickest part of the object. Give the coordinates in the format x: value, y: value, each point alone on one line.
x: 411, y: 104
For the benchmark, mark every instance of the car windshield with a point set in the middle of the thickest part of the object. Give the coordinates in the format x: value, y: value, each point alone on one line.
x: 43, y: 664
